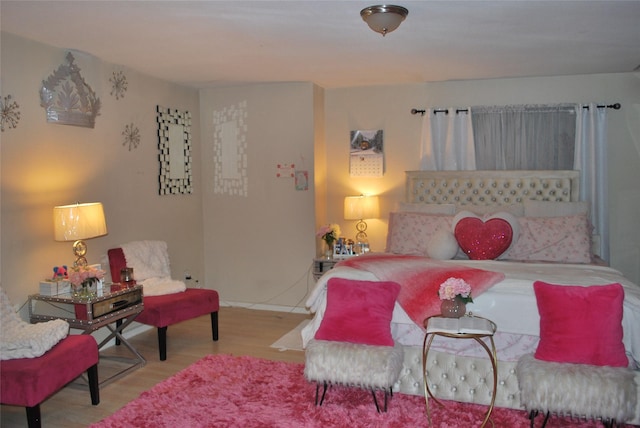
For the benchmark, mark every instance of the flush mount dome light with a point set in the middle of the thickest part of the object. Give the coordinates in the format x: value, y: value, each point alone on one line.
x: 384, y: 19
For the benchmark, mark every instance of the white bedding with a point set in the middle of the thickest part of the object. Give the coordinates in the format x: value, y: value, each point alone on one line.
x: 511, y: 303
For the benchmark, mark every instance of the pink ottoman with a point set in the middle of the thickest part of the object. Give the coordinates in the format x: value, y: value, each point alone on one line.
x: 30, y: 381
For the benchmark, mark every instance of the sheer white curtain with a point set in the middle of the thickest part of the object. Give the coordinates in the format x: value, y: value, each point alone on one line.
x: 591, y: 160
x: 447, y: 140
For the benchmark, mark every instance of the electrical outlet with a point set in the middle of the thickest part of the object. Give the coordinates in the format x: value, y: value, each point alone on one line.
x: 187, y: 275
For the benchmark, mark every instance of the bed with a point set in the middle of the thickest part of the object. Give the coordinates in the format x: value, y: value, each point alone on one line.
x: 551, y: 243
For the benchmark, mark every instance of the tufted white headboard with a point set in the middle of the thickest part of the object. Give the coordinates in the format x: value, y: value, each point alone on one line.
x: 491, y: 187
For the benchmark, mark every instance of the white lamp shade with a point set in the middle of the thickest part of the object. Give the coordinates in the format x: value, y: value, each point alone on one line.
x: 361, y: 207
x: 79, y: 221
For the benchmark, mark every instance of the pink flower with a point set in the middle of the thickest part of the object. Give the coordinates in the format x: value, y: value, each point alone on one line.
x: 79, y: 274
x: 455, y: 287
x: 329, y: 233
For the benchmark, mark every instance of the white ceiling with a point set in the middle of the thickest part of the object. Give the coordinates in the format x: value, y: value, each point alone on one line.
x: 207, y: 43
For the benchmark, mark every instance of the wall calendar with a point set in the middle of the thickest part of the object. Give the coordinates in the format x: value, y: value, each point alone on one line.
x: 366, y: 154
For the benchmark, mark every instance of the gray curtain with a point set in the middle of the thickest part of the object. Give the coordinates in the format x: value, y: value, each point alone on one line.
x: 538, y: 137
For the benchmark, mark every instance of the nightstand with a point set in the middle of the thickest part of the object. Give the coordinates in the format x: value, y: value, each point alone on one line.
x: 320, y: 266
x: 114, y: 303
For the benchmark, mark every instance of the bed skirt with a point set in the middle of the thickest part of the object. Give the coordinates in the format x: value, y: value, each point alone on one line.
x: 466, y: 379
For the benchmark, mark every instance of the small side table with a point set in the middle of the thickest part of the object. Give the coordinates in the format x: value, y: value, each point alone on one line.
x: 466, y: 327
x: 113, y: 304
x: 320, y: 266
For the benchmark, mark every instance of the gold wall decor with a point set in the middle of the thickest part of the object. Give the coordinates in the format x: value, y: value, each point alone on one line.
x: 67, y: 98
x: 9, y: 113
x: 119, y: 84
x: 131, y: 136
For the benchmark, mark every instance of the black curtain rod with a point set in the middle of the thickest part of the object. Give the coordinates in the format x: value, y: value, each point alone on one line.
x: 615, y: 106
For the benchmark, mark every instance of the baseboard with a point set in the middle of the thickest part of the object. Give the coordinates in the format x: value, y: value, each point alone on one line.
x: 264, y: 307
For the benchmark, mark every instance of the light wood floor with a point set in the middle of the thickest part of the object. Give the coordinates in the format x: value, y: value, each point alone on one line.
x: 242, y: 332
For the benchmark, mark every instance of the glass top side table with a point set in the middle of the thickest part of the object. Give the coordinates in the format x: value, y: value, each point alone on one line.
x: 466, y: 327
x: 113, y: 303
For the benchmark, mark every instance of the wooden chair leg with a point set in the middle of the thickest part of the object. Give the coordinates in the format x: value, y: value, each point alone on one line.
x: 33, y: 416
x: 162, y: 342
x: 214, y: 325
x: 94, y: 387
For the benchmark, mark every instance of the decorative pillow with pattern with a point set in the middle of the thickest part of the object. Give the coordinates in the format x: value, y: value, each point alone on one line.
x: 553, y: 239
x: 410, y: 233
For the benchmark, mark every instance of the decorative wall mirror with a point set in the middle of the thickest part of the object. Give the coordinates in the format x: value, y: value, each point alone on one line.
x: 174, y: 145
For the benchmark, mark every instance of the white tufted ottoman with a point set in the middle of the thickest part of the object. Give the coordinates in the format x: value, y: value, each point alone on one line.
x: 579, y: 390
x: 364, y: 366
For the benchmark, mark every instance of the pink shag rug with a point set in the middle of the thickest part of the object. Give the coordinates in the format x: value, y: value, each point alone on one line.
x: 229, y: 391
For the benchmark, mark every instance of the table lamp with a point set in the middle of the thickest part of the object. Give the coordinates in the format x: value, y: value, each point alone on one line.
x: 77, y: 222
x: 360, y: 208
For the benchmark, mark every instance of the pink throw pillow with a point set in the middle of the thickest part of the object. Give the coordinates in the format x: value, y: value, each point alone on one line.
x: 581, y: 325
x: 483, y: 240
x: 359, y: 312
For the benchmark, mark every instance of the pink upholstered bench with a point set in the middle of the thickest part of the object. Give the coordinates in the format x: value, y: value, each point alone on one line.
x: 30, y: 381
x: 163, y: 311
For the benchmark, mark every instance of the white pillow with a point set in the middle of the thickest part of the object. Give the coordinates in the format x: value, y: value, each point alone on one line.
x: 449, y: 209
x: 443, y: 245
x: 554, y: 209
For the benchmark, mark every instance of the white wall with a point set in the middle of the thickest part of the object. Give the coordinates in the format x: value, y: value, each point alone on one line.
x: 258, y: 247
x: 45, y: 164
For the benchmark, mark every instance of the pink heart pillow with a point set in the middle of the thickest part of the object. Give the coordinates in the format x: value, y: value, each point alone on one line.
x: 483, y: 240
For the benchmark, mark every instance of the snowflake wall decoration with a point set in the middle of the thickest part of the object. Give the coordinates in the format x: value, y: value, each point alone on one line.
x: 118, y: 84
x: 131, y: 136
x: 9, y: 113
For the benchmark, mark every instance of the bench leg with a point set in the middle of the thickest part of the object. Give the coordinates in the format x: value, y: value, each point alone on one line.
x: 162, y: 342
x: 214, y: 325
x: 324, y: 392
x: 33, y: 416
x: 94, y: 387
x: 386, y: 399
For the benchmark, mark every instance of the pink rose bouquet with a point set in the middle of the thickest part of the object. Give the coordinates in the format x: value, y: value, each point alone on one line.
x: 80, y: 274
x: 455, y: 287
x: 329, y: 233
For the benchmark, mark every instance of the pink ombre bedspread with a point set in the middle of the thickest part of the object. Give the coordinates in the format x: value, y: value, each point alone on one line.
x: 420, y: 279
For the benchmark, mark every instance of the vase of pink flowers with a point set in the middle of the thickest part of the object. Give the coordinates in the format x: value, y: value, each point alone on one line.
x: 454, y: 294
x: 84, y: 280
x: 329, y: 235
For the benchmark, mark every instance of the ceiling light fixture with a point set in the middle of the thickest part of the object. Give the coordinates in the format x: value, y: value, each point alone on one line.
x: 384, y: 19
